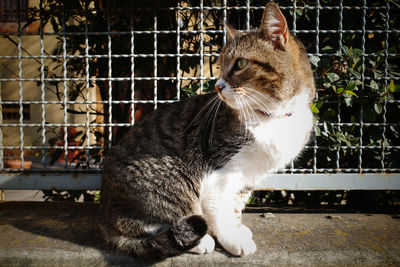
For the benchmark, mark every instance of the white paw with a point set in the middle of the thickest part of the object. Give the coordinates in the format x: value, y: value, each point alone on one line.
x: 238, y: 242
x: 206, y: 245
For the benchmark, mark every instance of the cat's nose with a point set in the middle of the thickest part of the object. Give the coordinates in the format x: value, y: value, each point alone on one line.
x: 220, y: 85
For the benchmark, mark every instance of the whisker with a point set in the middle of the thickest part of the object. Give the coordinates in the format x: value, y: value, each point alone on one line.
x: 209, y: 102
x: 258, y: 98
x: 260, y: 104
x: 264, y: 97
x: 209, y: 109
x: 213, y: 123
x: 253, y: 114
x: 246, y: 116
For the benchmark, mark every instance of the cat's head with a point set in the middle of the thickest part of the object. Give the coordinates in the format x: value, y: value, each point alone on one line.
x: 264, y: 68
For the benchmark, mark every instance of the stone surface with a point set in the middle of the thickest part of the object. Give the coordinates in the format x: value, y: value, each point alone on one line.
x: 65, y: 234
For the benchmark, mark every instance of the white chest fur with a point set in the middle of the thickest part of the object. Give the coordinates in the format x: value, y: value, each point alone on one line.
x: 278, y: 140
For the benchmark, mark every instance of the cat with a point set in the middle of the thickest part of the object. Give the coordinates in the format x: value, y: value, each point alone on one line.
x: 180, y: 178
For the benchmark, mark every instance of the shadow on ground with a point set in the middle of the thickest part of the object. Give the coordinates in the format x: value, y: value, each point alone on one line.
x: 71, y: 224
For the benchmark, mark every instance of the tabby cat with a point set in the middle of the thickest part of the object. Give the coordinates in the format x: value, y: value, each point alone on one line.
x: 181, y: 177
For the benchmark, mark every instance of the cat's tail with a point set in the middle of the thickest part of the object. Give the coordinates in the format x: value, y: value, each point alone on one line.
x: 180, y: 237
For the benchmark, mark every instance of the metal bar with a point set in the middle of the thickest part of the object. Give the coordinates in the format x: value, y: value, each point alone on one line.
x: 361, y: 133
x: 248, y: 15
x: 178, y: 51
x: 170, y: 101
x: 331, y: 182
x: 20, y: 87
x: 87, y: 82
x: 294, y: 29
x: 259, y: 7
x: 117, y: 79
x: 155, y: 61
x: 224, y: 22
x: 294, y: 17
x: 65, y: 105
x: 339, y: 106
x: 42, y: 91
x: 351, y: 181
x: 316, y: 93
x: 201, y: 46
x: 176, y: 55
x: 132, y: 69
x: 385, y: 70
x: 128, y: 125
x: 20, y: 181
x: 109, y: 52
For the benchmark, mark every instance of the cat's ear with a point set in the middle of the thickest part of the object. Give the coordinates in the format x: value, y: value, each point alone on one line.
x: 274, y: 25
x: 231, y: 33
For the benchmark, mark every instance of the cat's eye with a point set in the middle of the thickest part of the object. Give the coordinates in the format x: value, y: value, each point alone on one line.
x: 240, y: 63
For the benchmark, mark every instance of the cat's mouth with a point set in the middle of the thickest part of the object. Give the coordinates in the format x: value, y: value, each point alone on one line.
x: 273, y: 115
x: 263, y: 113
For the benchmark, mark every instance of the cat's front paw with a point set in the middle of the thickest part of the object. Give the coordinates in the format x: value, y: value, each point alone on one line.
x: 206, y: 245
x: 238, y: 242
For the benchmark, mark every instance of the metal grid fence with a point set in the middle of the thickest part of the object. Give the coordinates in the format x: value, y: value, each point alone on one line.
x: 157, y: 55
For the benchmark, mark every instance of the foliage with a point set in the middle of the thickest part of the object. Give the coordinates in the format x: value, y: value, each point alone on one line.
x: 71, y: 195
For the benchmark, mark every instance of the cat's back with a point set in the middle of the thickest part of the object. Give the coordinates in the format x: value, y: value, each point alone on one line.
x: 164, y: 129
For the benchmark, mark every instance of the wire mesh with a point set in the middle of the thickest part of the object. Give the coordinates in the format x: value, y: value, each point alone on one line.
x: 90, y: 72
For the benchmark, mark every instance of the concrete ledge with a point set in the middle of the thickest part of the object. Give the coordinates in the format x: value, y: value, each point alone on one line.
x: 65, y: 234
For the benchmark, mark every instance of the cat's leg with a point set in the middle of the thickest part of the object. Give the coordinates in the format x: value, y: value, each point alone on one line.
x: 222, y: 207
x: 234, y: 236
x: 206, y: 245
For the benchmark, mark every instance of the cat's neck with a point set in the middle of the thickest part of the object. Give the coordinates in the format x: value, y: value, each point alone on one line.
x: 283, y: 111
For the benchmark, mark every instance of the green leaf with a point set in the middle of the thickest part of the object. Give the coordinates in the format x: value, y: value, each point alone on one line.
x: 395, y: 132
x: 392, y: 88
x: 314, y: 60
x: 314, y: 108
x: 374, y: 85
x: 327, y: 47
x: 351, y: 86
x: 378, y: 108
x: 356, y: 74
x: 345, y: 49
x: 357, y: 52
x: 317, y: 130
x: 318, y: 103
x: 326, y: 131
x: 350, y: 51
x: 350, y: 93
x: 339, y: 90
x: 333, y: 77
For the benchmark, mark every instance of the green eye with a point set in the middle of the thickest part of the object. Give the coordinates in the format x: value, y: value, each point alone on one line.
x: 240, y: 63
